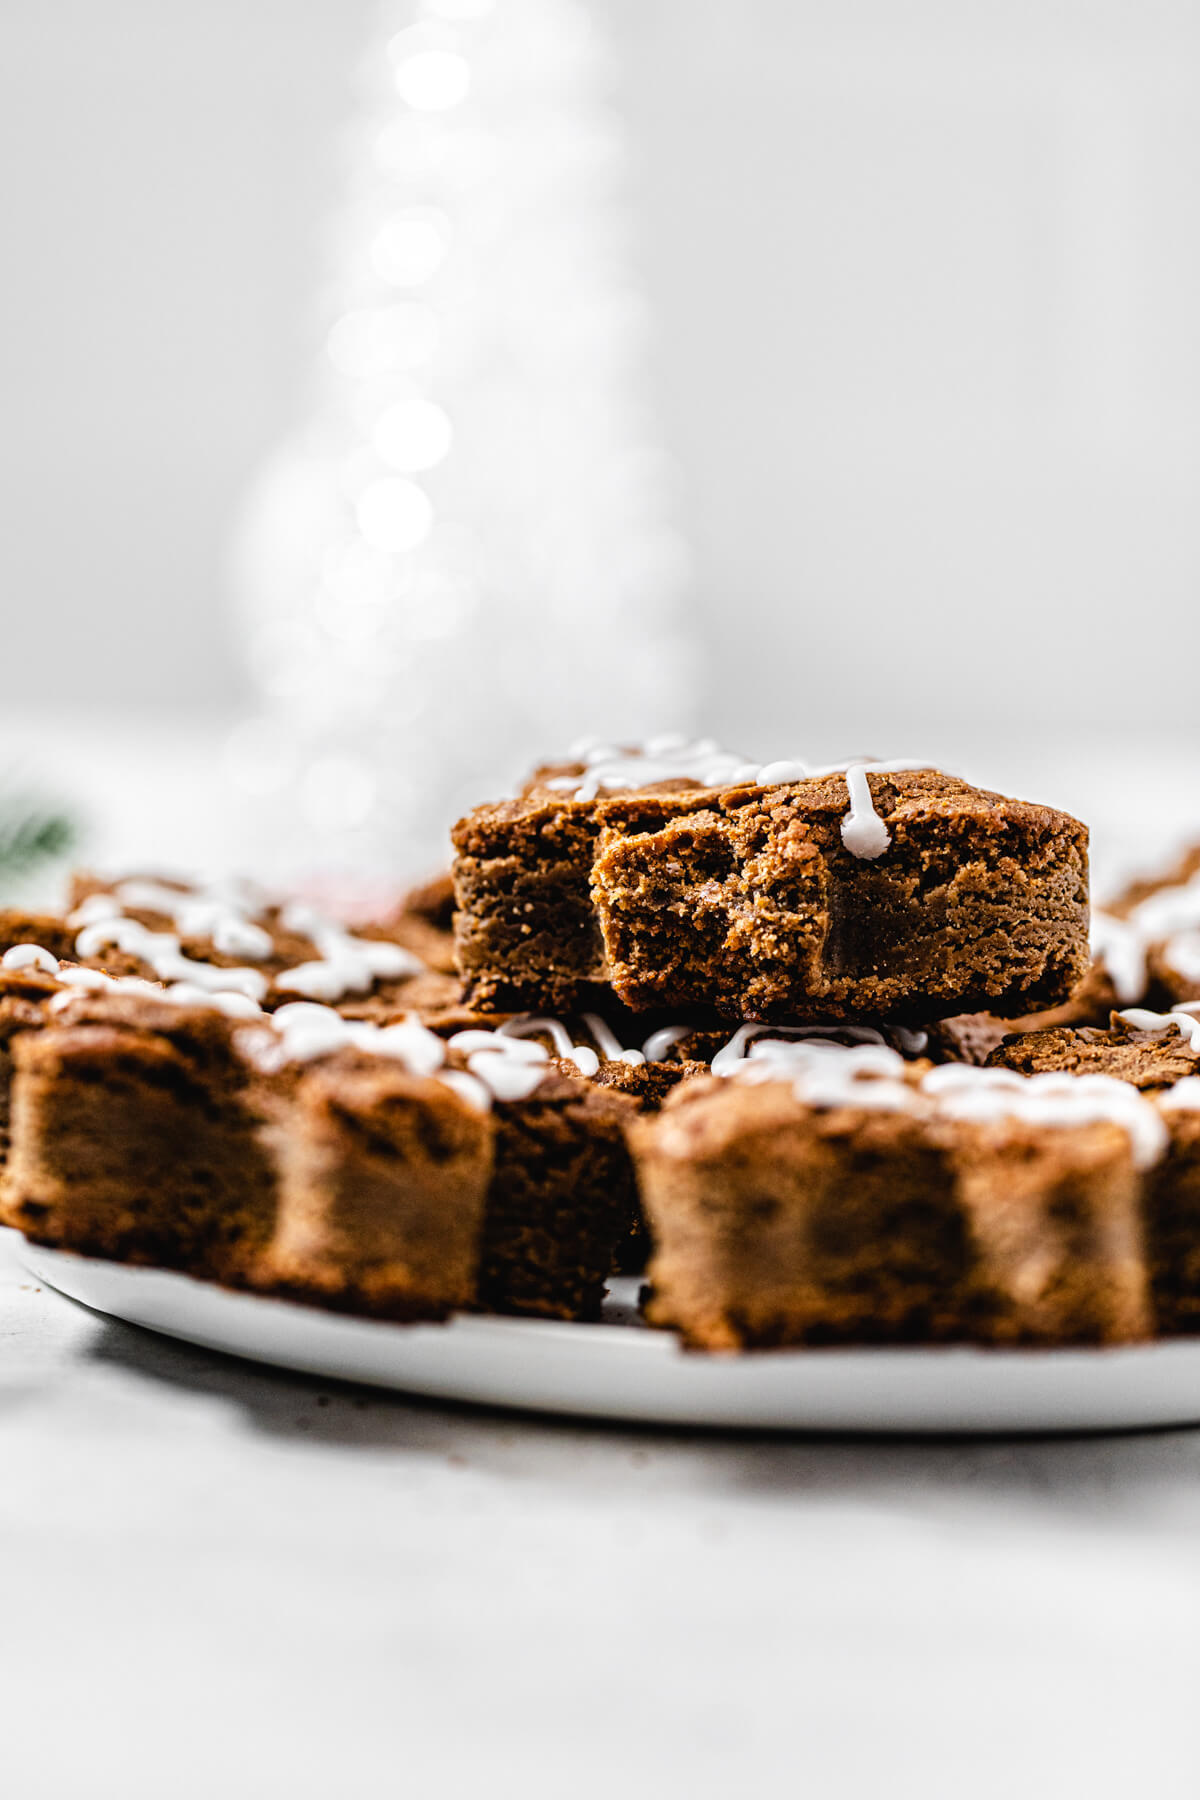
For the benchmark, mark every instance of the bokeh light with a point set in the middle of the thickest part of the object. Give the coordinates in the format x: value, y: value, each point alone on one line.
x: 413, y: 434
x: 394, y: 514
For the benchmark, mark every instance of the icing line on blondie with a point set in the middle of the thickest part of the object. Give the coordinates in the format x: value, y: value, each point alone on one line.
x: 94, y: 981
x: 1060, y: 1100
x: 1121, y: 949
x: 1183, y: 1097
x: 676, y: 758
x: 344, y: 964
x: 1169, y: 919
x: 611, y: 1047
x: 1182, y: 1016
x: 221, y: 912
x: 659, y: 1042
x: 587, y: 1060
x: 910, y: 1043
x: 29, y: 956
x: 825, y: 1074
x: 162, y: 951
x: 498, y: 1068
x: 528, y: 1025
x: 177, y: 993
x: 656, y: 1046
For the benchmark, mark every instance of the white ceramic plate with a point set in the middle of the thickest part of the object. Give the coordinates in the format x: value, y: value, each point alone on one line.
x: 623, y: 1371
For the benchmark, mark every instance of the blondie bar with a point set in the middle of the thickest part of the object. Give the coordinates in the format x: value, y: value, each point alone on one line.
x: 1159, y: 1054
x: 886, y: 891
x: 827, y: 1195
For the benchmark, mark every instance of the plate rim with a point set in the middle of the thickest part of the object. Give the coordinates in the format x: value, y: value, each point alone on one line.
x: 632, y: 1375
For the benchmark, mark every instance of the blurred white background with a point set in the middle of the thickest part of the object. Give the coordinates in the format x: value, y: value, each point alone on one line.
x: 925, y: 281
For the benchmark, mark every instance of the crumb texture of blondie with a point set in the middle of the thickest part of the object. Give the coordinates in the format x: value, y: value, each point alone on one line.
x: 747, y: 900
x: 1146, y: 1059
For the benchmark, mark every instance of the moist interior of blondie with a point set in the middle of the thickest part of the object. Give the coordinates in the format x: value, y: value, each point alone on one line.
x: 758, y: 907
x: 748, y: 900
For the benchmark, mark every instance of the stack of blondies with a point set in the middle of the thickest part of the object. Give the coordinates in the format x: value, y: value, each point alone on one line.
x: 829, y: 1048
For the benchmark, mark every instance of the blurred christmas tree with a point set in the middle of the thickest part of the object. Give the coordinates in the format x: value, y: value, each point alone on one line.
x: 32, y: 837
x: 464, y: 558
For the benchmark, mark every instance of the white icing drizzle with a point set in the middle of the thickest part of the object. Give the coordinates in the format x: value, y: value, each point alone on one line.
x: 1171, y: 909
x: 608, y: 768
x: 734, y: 1052
x: 161, y: 950
x: 344, y: 964
x: 467, y: 1087
x: 94, y: 908
x: 1169, y: 919
x: 669, y: 757
x: 1182, y: 954
x: 1183, y: 1097
x: 304, y: 1032
x: 863, y: 831
x: 527, y: 1025
x: 29, y: 956
x: 509, y: 1067
x: 220, y: 912
x: 951, y: 1076
x: 1122, y: 950
x: 307, y: 1031
x: 95, y: 981
x: 659, y: 1042
x: 179, y: 993
x: 739, y: 1046
x: 1183, y: 1016
x: 826, y: 1074
x: 1057, y: 1100
x: 233, y: 1005
x: 611, y: 1047
x: 500, y: 1067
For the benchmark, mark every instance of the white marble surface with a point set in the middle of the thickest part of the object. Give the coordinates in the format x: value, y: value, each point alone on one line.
x: 215, y: 1580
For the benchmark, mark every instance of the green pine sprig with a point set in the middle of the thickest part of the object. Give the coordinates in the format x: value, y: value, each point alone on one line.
x: 31, y: 833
